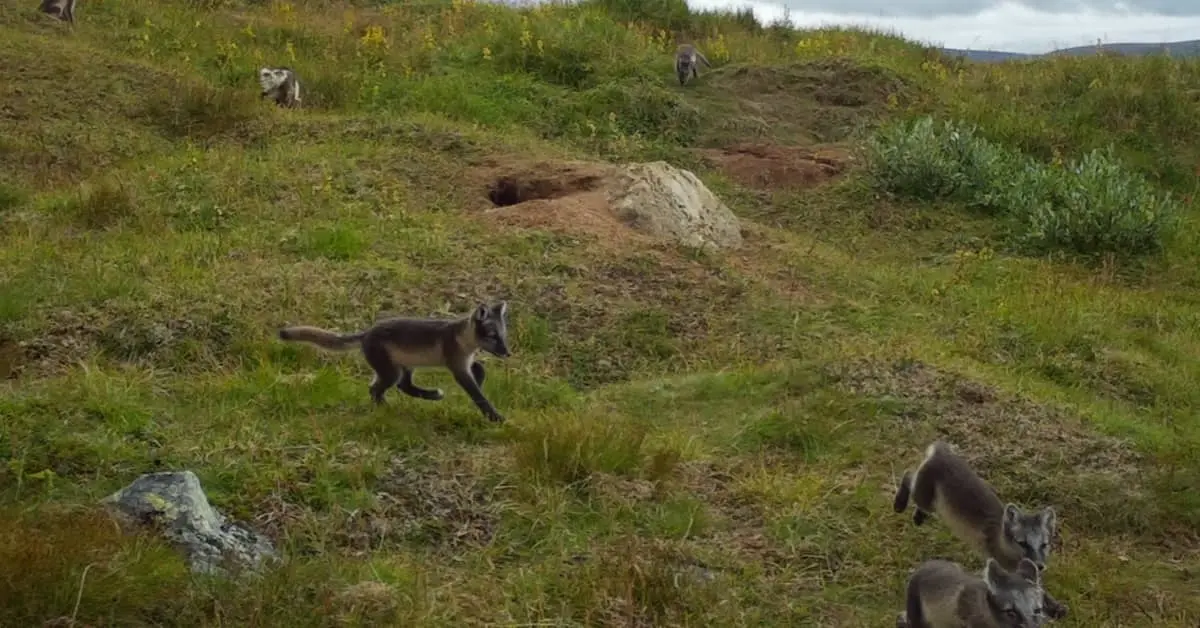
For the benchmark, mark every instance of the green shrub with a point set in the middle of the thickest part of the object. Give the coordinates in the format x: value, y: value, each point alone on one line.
x: 1093, y: 205
x: 929, y: 160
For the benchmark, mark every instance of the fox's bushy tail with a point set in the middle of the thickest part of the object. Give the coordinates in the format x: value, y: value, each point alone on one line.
x: 328, y: 340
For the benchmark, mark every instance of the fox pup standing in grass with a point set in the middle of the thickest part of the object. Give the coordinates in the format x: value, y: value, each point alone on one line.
x: 281, y: 85
x: 395, y: 347
x: 940, y: 594
x: 61, y: 9
x: 946, y: 485
x: 685, y: 62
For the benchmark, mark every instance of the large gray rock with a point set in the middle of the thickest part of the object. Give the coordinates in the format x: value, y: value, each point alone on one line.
x: 174, y: 503
x: 665, y: 201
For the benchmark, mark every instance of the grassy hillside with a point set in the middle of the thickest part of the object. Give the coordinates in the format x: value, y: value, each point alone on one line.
x: 692, y: 438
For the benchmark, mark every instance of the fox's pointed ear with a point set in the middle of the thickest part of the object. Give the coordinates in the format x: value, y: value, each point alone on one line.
x: 1049, y: 517
x: 993, y: 574
x: 481, y: 312
x: 502, y: 309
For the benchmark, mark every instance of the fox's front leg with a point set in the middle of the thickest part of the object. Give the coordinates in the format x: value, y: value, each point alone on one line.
x: 465, y: 378
x: 478, y: 373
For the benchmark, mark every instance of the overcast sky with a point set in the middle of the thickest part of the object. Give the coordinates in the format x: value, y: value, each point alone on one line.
x: 995, y: 24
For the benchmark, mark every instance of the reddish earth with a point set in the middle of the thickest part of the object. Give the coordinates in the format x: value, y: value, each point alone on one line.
x: 562, y: 197
x: 769, y: 166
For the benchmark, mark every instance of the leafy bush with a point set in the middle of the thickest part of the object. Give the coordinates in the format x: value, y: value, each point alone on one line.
x: 928, y: 160
x: 1093, y: 205
x: 1098, y: 206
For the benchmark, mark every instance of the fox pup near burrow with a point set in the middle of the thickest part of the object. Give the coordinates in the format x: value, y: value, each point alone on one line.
x: 941, y: 594
x: 686, y: 56
x: 396, y: 346
x: 945, y: 484
x: 281, y: 85
x: 61, y: 9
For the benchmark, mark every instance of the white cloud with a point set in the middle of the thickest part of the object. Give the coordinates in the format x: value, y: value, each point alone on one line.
x: 1009, y: 26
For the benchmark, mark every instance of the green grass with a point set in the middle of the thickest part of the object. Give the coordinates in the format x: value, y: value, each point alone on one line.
x: 692, y: 439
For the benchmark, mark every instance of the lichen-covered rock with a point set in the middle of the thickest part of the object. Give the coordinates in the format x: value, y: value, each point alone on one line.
x: 665, y: 201
x: 174, y: 503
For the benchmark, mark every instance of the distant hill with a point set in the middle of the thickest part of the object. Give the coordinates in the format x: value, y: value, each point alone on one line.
x: 1189, y: 48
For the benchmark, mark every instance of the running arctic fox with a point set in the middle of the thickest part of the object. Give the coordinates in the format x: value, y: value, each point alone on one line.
x: 686, y: 56
x: 941, y: 594
x: 395, y: 347
x: 946, y: 485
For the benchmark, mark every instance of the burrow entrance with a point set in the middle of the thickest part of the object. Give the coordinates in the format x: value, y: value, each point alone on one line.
x: 514, y: 189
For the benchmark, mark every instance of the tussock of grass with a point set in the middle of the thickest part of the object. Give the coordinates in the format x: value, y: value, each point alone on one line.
x: 692, y: 439
x: 570, y: 449
x: 203, y: 111
x: 107, y: 204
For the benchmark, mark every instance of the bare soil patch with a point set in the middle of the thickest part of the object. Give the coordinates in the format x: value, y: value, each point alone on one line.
x: 565, y: 197
x: 445, y: 504
x: 767, y: 166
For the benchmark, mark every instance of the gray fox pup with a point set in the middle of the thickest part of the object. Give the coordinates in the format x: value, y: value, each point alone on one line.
x: 61, y: 9
x: 945, y: 484
x: 281, y: 85
x: 686, y: 56
x: 941, y: 594
x: 395, y: 347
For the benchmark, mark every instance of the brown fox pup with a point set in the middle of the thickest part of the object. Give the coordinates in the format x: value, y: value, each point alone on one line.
x: 946, y: 485
x: 940, y: 594
x: 686, y: 56
x: 61, y: 9
x: 395, y: 347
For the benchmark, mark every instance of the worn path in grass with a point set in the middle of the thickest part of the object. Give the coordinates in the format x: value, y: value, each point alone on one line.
x: 692, y: 439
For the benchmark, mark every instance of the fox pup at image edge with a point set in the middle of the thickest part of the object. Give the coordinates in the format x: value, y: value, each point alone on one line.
x: 395, y: 347
x: 941, y: 594
x: 61, y: 9
x: 944, y: 484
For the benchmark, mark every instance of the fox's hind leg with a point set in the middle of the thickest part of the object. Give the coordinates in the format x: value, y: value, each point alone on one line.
x: 386, y: 373
x: 407, y: 387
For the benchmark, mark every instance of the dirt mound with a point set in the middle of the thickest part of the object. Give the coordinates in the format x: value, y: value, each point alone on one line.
x: 766, y: 166
x: 564, y: 197
x: 618, y: 205
x: 799, y: 103
x: 835, y: 81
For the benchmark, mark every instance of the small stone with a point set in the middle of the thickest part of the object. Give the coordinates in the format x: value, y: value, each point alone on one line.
x: 174, y: 503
